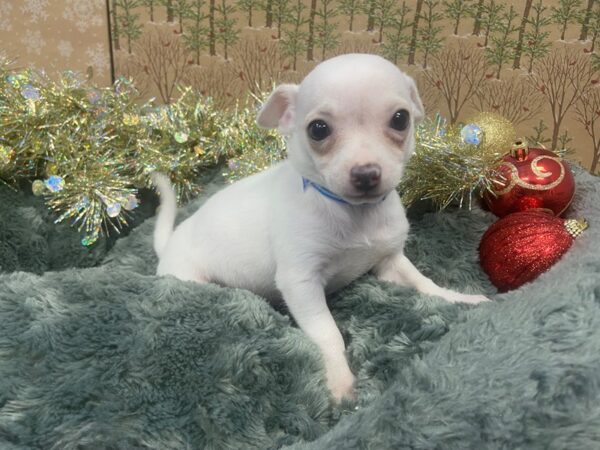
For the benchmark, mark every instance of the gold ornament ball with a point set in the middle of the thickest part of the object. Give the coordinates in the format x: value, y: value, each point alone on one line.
x: 498, y: 132
x: 38, y: 188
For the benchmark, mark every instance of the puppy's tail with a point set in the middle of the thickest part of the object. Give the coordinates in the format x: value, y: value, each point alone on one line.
x: 165, y: 220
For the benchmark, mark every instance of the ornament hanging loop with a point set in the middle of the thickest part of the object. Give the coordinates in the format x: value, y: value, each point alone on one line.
x: 520, y: 149
x: 576, y: 226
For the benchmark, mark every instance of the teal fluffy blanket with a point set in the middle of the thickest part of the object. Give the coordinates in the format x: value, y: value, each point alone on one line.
x: 98, y: 353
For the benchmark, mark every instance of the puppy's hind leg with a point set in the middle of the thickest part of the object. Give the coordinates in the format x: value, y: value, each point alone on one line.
x: 181, y: 271
x: 398, y: 269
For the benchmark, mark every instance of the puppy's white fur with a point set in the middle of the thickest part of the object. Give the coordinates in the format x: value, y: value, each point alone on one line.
x: 269, y: 235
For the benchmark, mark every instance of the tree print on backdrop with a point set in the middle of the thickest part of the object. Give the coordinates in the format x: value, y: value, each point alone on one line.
x: 369, y: 9
x: 350, y: 9
x: 456, y: 10
x: 430, y: 40
x: 593, y: 28
x: 412, y: 49
x: 131, y: 67
x: 231, y: 48
x: 383, y: 16
x: 217, y: 81
x: 511, y: 97
x: 585, y: 18
x: 165, y: 59
x: 127, y: 23
x: 249, y: 7
x: 181, y: 9
x: 227, y: 33
x: 490, y: 19
x: 310, y: 42
x: 477, y: 13
x: 458, y: 74
x: 115, y: 32
x: 563, y: 78
x: 519, y: 46
x: 503, y: 45
x: 212, y: 41
x: 538, y: 137
x: 587, y: 109
x: 267, y: 6
x: 326, y: 34
x: 195, y: 36
x: 282, y: 15
x: 396, y: 42
x: 536, y: 36
x: 151, y: 6
x: 294, y: 40
x: 259, y: 64
x: 567, y: 12
x: 354, y: 46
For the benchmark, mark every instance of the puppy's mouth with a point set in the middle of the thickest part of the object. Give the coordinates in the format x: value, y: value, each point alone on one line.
x: 366, y: 197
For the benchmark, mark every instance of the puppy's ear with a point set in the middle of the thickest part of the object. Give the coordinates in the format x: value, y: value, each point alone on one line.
x: 418, y: 109
x: 279, y: 109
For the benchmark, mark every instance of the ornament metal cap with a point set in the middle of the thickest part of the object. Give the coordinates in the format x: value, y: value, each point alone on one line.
x: 520, y: 149
x: 576, y: 226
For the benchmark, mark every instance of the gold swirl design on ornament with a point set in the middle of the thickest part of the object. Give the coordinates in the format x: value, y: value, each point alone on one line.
x: 516, y: 180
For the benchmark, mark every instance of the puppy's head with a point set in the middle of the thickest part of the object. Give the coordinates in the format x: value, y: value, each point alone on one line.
x: 350, y: 124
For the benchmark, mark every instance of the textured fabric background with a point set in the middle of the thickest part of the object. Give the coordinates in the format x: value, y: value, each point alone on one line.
x: 114, y: 357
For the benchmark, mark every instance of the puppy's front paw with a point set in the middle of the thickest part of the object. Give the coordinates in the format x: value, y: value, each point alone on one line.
x: 457, y: 297
x: 341, y: 385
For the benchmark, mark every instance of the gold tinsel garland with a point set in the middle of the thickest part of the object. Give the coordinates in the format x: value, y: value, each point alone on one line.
x: 456, y: 163
x: 260, y: 148
x: 88, y: 150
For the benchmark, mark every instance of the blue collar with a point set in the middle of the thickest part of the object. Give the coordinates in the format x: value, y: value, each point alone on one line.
x: 306, y: 183
x: 323, y: 191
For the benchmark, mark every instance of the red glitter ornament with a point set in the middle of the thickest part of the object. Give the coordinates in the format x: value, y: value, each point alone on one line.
x: 531, y: 178
x: 521, y: 246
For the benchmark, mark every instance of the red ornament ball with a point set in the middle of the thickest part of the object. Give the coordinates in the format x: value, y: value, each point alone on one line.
x: 519, y: 247
x: 531, y: 178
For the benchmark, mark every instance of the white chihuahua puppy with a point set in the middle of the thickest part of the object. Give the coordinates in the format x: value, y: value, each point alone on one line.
x: 325, y: 216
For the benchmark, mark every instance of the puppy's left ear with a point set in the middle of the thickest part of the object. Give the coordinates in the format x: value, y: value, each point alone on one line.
x: 418, y: 108
x: 280, y: 108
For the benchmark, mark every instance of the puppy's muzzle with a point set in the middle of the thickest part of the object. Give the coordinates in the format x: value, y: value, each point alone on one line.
x: 365, y: 177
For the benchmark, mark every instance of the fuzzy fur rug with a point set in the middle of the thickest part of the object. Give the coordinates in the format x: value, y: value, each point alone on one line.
x: 98, y: 353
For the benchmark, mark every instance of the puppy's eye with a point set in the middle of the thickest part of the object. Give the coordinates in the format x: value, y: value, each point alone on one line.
x: 318, y: 130
x: 400, y: 120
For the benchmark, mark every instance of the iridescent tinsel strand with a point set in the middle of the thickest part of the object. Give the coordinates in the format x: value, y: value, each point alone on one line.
x: 88, y: 150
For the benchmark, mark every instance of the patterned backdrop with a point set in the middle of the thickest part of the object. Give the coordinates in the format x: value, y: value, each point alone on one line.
x: 57, y: 35
x: 533, y: 61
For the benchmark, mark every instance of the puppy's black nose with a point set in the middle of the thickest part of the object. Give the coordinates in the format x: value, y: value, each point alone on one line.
x: 365, y: 177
